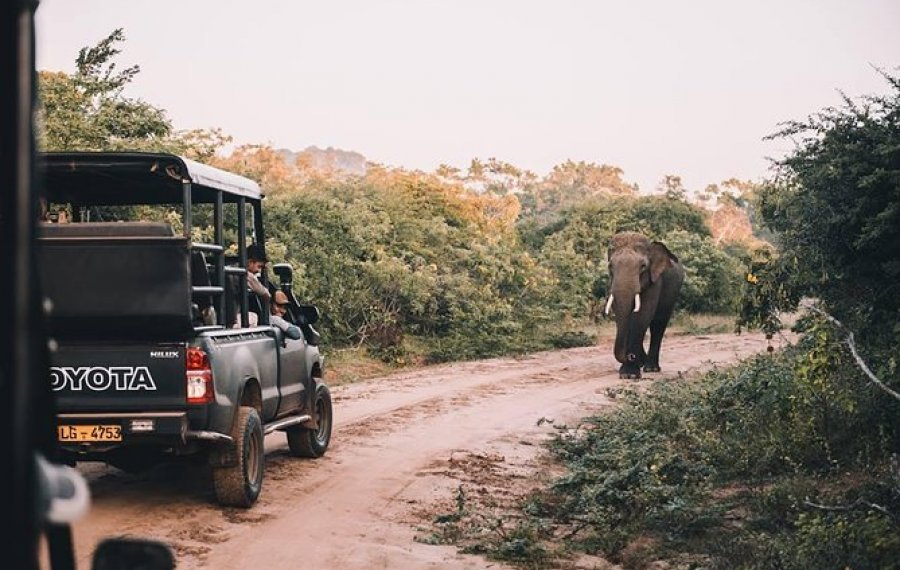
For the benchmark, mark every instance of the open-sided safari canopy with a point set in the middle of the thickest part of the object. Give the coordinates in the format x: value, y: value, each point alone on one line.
x: 126, y: 279
x: 123, y: 178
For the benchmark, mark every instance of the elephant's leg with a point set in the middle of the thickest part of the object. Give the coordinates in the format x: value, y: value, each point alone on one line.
x: 671, y: 286
x: 630, y: 370
x: 657, y: 330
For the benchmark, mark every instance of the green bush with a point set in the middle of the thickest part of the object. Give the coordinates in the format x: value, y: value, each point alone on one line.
x: 392, y: 255
x: 727, y: 470
x: 712, y: 277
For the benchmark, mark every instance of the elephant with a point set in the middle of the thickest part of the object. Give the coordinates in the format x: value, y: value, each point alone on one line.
x: 645, y: 282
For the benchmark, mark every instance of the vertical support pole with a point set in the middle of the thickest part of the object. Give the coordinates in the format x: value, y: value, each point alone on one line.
x: 242, y: 253
x: 186, y: 208
x: 260, y: 238
x: 219, y: 223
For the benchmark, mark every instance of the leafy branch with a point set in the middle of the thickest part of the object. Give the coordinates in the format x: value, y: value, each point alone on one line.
x: 851, y: 343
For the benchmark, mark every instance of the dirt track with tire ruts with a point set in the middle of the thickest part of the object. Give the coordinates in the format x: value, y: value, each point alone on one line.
x: 400, y: 447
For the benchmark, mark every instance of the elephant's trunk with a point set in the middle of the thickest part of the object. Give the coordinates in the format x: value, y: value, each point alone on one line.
x: 609, y: 303
x: 626, y: 328
x: 620, y: 346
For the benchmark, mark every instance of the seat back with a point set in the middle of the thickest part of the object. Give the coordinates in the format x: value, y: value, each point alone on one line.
x: 103, y: 284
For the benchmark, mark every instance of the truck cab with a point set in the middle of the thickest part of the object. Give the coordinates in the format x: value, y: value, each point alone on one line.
x: 158, y: 348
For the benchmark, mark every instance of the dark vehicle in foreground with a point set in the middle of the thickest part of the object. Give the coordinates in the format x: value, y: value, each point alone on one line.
x: 158, y: 349
x: 41, y: 497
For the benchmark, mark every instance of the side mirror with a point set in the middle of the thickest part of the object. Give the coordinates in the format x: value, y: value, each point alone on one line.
x: 309, y: 314
x: 284, y: 272
x: 132, y: 553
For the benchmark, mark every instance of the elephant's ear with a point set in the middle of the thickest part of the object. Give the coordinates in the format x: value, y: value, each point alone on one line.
x: 660, y: 260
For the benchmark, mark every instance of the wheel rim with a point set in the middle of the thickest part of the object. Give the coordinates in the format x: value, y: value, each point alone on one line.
x: 252, y: 459
x: 324, y: 422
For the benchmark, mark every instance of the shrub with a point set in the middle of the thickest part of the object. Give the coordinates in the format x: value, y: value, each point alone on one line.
x: 728, y: 469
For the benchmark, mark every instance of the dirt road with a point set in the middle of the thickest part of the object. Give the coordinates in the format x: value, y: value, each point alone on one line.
x: 394, y: 454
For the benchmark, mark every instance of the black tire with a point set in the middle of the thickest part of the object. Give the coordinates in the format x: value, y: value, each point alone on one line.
x: 305, y: 442
x: 239, y: 485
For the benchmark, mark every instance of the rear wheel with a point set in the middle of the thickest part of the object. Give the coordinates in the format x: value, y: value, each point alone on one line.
x: 305, y: 442
x: 239, y: 484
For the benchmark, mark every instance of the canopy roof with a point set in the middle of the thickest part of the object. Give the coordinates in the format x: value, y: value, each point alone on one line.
x: 120, y: 178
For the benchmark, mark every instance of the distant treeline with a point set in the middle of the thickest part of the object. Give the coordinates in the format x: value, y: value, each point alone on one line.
x: 452, y: 264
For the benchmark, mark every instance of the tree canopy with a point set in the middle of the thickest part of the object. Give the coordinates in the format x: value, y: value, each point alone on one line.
x: 835, y: 205
x: 88, y: 110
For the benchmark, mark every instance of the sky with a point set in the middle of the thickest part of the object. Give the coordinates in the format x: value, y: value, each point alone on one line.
x: 655, y: 87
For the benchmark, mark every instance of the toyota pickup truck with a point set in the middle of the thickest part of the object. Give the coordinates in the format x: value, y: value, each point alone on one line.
x: 156, y: 350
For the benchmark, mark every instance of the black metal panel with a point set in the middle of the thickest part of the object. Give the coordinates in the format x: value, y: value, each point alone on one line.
x: 118, y: 287
x: 119, y: 378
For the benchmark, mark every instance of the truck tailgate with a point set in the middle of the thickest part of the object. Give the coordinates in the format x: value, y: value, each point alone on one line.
x: 119, y: 378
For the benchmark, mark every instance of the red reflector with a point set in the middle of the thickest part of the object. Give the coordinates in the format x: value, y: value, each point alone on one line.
x: 197, y: 359
x: 198, y: 377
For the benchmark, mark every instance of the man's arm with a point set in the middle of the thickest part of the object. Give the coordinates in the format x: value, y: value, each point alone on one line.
x: 257, y: 287
x: 289, y: 330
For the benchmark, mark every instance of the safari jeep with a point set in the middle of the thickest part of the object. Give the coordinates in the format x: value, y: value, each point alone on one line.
x: 143, y: 261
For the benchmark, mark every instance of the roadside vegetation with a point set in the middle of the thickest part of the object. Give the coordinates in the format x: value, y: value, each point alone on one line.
x: 788, y: 460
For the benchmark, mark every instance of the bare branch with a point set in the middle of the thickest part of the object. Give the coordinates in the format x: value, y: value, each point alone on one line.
x: 852, y: 344
x: 855, y: 504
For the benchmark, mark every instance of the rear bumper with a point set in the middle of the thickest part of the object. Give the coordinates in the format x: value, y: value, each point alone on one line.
x: 166, y: 429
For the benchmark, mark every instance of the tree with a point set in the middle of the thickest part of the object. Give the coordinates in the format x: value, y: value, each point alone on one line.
x: 672, y: 187
x: 572, y: 183
x: 582, y: 180
x: 835, y: 205
x: 88, y: 110
x: 493, y: 177
x: 729, y: 223
x: 266, y: 166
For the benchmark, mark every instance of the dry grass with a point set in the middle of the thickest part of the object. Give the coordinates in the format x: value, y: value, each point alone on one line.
x: 687, y: 324
x: 348, y: 365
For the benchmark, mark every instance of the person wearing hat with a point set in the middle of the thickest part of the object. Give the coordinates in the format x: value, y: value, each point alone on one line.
x: 279, y: 309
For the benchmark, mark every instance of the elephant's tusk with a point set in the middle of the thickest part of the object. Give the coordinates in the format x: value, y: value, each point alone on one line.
x: 637, y: 302
x: 608, y: 305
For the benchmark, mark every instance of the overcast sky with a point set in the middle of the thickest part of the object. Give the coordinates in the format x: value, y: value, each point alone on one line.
x: 655, y: 87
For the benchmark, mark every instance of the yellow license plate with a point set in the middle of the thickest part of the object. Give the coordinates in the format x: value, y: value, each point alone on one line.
x: 81, y: 433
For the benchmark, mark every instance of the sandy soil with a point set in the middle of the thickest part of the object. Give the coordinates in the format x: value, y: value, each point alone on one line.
x: 402, y: 446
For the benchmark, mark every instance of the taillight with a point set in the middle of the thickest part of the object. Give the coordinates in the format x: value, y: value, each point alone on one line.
x: 198, y: 377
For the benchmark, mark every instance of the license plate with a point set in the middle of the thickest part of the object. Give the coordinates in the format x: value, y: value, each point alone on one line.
x: 81, y: 433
